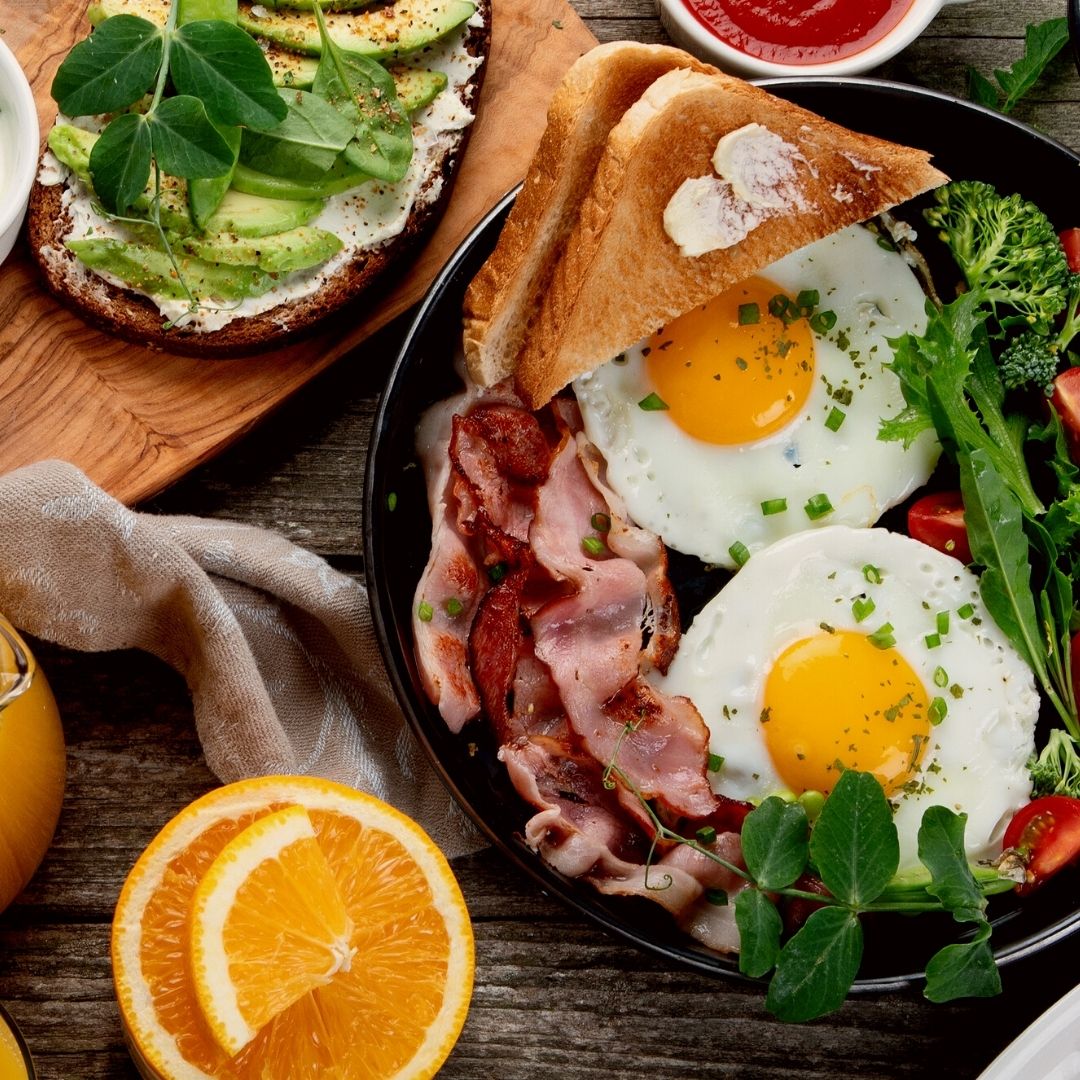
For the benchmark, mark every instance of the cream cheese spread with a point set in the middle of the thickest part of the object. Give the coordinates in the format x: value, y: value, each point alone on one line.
x: 363, y: 219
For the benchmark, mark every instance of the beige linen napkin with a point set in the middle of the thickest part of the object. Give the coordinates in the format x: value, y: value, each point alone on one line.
x: 276, y: 646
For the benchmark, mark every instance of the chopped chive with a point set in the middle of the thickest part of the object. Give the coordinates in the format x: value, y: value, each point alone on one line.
x: 883, y: 243
x: 391, y: 501
x: 739, y: 553
x: 453, y: 606
x: 497, y: 572
x: 956, y: 690
x: 778, y: 305
x: 600, y: 522
x: 717, y: 897
x: 941, y: 677
x: 807, y: 300
x: 938, y: 711
x: 861, y: 607
x: 593, y: 545
x: 932, y: 640
x: 835, y: 418
x: 749, y: 314
x: 424, y: 611
x: 818, y: 506
x: 823, y: 322
x: 873, y: 574
x: 706, y: 835
x: 740, y: 363
x: 966, y: 611
x: 943, y: 622
x: 716, y: 763
x: 652, y: 403
x: 773, y: 506
x: 882, y: 637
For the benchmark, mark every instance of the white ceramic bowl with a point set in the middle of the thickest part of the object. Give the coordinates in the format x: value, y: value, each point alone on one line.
x: 685, y: 30
x: 19, y: 143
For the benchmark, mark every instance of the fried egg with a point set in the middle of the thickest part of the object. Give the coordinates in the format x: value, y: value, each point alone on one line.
x: 859, y: 648
x: 756, y: 415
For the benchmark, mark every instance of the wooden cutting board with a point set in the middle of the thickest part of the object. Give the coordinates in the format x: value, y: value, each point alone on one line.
x: 136, y: 420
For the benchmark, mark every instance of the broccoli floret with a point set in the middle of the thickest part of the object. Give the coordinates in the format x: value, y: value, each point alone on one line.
x: 1028, y: 360
x: 1056, y: 771
x: 1006, y: 247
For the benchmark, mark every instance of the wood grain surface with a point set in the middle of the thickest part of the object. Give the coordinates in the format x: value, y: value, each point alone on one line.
x: 136, y: 420
x: 555, y: 997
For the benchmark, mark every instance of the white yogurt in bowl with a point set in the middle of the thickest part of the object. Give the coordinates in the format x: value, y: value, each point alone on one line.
x: 19, y: 144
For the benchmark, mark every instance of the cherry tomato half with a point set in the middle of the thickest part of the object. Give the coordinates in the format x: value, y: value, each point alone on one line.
x: 1066, y: 400
x: 1070, y: 241
x: 1046, y: 833
x: 938, y: 520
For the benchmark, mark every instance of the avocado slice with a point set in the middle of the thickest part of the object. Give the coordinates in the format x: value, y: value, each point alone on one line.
x: 205, y: 195
x: 342, y: 177
x: 194, y: 10
x: 151, y: 271
x: 249, y: 215
x: 296, y: 249
x: 327, y: 5
x: 404, y: 27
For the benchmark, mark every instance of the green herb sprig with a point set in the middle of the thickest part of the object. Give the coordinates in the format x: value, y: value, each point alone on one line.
x: 1042, y: 42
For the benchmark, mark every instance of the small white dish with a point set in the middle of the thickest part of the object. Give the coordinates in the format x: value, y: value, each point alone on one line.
x: 685, y: 30
x: 1048, y: 1049
x: 20, y: 140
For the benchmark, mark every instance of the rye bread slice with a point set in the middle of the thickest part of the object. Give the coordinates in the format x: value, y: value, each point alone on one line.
x: 621, y: 276
x: 136, y: 318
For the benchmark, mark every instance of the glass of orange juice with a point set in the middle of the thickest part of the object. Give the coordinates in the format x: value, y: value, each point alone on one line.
x: 15, y: 1063
x: 32, y: 764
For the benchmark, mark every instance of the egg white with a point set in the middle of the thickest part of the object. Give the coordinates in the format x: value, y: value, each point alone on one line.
x: 702, y: 498
x: 976, y: 760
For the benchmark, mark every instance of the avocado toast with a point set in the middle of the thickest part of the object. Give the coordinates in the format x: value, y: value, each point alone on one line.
x: 291, y: 231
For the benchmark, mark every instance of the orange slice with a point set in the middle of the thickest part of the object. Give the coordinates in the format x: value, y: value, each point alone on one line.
x: 361, y: 968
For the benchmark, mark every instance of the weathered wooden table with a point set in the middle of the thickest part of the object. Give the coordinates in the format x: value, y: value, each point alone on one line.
x: 554, y: 996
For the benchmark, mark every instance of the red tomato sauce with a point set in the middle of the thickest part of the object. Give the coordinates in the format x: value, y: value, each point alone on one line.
x: 799, y: 31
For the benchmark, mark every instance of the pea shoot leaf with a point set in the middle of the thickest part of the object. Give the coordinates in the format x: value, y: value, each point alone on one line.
x: 304, y: 145
x: 854, y: 844
x: 111, y: 69
x: 774, y: 843
x: 120, y: 162
x: 185, y: 142
x: 965, y: 970
x: 941, y: 851
x: 760, y: 927
x: 365, y: 94
x: 981, y: 90
x: 224, y: 67
x: 816, y: 968
x: 994, y: 521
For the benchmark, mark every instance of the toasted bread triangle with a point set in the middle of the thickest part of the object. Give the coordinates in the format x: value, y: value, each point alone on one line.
x: 591, y: 99
x: 621, y: 276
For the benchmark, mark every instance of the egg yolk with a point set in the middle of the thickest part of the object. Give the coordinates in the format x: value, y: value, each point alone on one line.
x: 729, y: 371
x: 835, y: 701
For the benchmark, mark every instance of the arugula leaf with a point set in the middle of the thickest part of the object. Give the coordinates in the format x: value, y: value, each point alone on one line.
x: 120, y: 162
x: 854, y: 844
x: 816, y: 968
x: 1042, y: 42
x: 304, y: 145
x: 185, y: 142
x: 364, y: 92
x: 774, y: 842
x: 224, y: 67
x: 760, y: 927
x: 1057, y: 453
x: 981, y: 90
x: 965, y: 970
x: 111, y: 69
x: 941, y: 851
x: 994, y: 520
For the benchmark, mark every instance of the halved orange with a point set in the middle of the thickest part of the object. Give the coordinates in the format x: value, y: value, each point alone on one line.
x: 388, y: 989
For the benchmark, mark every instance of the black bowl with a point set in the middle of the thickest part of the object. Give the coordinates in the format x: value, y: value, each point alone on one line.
x: 967, y: 141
